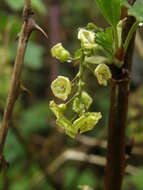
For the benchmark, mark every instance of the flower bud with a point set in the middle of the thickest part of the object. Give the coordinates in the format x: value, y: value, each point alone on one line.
x: 87, y: 38
x: 61, y: 87
x: 103, y: 74
x: 60, y: 52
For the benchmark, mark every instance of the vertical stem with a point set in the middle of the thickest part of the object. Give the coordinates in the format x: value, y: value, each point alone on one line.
x: 116, y: 134
x: 120, y: 88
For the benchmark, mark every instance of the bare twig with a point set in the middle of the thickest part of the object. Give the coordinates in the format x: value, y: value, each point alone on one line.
x: 75, y: 155
x: 92, y: 142
x: 13, y: 93
x: 27, y: 27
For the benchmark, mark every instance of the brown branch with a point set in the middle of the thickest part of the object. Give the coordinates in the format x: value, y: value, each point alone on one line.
x: 79, y: 156
x: 27, y: 27
x: 116, y: 159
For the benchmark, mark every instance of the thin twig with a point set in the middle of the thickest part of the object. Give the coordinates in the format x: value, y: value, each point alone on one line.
x: 28, y: 26
x: 82, y: 157
x: 14, y: 89
x: 92, y: 142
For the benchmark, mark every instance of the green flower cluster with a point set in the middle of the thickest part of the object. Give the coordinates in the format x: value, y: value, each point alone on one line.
x: 96, y: 55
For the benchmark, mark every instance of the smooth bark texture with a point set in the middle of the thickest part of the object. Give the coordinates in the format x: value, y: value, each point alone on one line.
x: 120, y: 87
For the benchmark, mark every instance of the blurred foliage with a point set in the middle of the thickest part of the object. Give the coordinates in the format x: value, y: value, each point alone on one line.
x: 34, y: 140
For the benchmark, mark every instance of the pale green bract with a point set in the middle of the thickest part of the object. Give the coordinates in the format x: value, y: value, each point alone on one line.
x: 82, y: 104
x: 59, y: 52
x: 96, y: 60
x: 87, y: 38
x: 119, y: 31
x: 86, y: 122
x: 61, y: 87
x: 103, y: 74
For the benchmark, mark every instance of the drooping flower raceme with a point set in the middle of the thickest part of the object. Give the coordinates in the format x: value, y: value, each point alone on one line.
x: 61, y: 87
x: 103, y: 74
x: 59, y: 52
x: 87, y: 38
x: 94, y: 54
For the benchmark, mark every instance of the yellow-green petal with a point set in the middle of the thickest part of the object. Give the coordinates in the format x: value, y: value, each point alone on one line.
x: 103, y: 74
x: 61, y: 87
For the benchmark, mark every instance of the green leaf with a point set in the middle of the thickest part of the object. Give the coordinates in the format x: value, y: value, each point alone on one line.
x: 136, y: 10
x: 111, y: 9
x: 105, y: 39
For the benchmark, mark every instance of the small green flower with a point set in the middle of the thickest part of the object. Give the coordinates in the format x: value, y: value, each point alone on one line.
x: 56, y: 109
x: 87, y: 38
x: 60, y: 52
x: 83, y: 103
x: 86, y: 122
x: 61, y: 120
x: 103, y: 74
x: 61, y: 87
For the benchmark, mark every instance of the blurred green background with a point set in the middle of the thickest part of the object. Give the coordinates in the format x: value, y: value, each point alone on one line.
x: 41, y: 156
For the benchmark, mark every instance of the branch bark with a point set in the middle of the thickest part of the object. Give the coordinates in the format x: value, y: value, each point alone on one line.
x: 120, y: 88
x: 27, y: 28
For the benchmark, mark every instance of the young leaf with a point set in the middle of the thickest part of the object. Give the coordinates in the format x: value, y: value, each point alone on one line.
x: 111, y: 9
x: 105, y: 39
